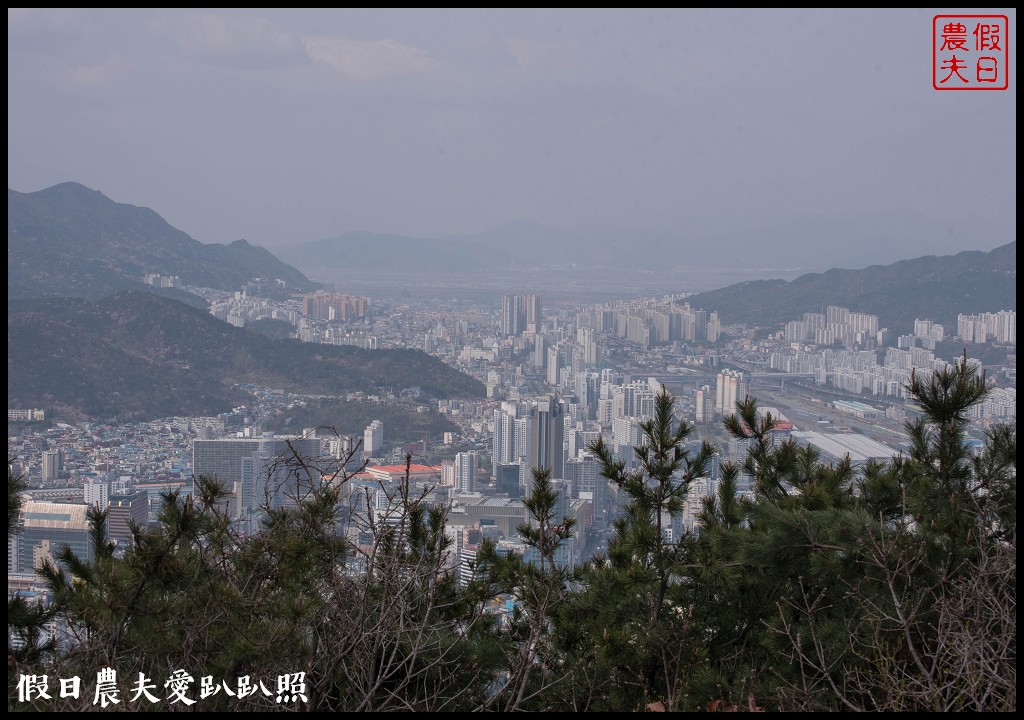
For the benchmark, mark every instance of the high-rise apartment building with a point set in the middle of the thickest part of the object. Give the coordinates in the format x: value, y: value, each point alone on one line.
x: 513, y: 315
x: 465, y: 471
x: 97, y: 492
x: 714, y: 327
x: 373, y: 438
x: 1000, y: 326
x: 554, y: 365
x: 520, y: 313
x: 53, y: 465
x: 504, y: 448
x: 730, y: 387
x: 534, y: 316
x: 700, y: 406
x: 333, y: 307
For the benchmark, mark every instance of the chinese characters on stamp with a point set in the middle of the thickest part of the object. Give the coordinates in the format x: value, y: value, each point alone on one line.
x: 970, y: 52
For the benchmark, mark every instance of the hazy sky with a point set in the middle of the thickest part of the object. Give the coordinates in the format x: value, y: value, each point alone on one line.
x: 283, y: 126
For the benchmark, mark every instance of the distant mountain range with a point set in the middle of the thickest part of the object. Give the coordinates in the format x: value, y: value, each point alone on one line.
x: 88, y: 339
x: 136, y: 355
x: 376, y: 253
x: 807, y: 241
x: 513, y: 246
x: 933, y: 288
x: 71, y: 241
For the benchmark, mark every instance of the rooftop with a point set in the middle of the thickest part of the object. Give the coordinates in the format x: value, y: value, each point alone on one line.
x: 55, y: 516
x: 859, y: 447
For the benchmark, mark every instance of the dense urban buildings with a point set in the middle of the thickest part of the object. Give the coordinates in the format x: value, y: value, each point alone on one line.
x: 333, y: 307
x: 559, y: 376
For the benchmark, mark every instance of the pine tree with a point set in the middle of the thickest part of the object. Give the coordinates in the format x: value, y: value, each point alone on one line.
x: 631, y: 624
x: 891, y: 588
x: 539, y: 585
x: 29, y: 643
x: 828, y: 587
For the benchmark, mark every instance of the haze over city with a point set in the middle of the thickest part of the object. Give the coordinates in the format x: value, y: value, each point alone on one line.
x: 680, y: 127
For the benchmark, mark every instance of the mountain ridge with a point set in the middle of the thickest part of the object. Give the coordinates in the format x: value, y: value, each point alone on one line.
x: 930, y: 287
x: 140, y: 356
x: 813, y: 242
x: 69, y: 240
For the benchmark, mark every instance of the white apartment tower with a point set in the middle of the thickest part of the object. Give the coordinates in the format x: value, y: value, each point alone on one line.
x: 373, y: 438
x: 729, y: 388
x: 97, y: 492
x: 465, y: 471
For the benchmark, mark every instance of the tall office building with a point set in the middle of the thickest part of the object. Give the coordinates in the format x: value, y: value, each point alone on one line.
x: 507, y: 479
x: 255, y: 486
x: 257, y: 469
x: 126, y: 510
x: 533, y: 312
x: 546, y: 440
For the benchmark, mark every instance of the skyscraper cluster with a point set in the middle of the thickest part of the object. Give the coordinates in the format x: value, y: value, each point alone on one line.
x: 928, y: 333
x: 520, y: 313
x: 531, y: 435
x: 655, y: 323
x: 729, y: 388
x: 1000, y: 326
x: 333, y: 307
x: 836, y: 324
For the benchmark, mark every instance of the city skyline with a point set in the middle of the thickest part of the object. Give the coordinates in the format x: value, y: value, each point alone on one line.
x: 509, y: 360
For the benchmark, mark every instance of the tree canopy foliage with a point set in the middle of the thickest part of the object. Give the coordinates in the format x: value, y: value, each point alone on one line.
x: 825, y: 587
